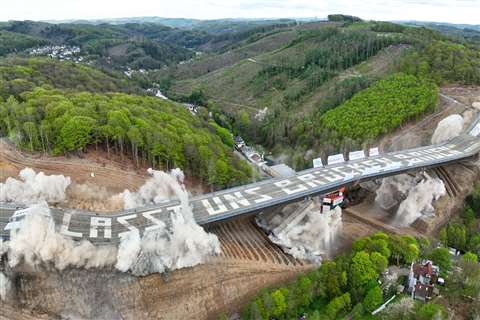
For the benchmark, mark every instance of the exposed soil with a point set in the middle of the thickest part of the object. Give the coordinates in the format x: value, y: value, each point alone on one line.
x: 248, y: 261
x: 112, y: 172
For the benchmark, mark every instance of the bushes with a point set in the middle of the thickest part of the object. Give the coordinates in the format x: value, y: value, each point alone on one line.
x: 384, y: 106
x: 430, y: 311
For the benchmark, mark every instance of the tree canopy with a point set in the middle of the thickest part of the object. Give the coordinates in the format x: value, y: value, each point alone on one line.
x: 161, y: 133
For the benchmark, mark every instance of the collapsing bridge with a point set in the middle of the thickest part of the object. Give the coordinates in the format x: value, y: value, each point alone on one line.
x: 252, y: 198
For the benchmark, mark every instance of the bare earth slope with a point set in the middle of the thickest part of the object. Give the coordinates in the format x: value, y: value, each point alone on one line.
x: 248, y: 262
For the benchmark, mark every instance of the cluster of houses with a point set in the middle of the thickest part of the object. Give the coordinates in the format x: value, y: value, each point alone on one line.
x: 70, y: 53
x: 422, y: 279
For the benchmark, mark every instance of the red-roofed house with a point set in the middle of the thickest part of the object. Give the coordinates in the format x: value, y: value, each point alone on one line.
x: 422, y: 279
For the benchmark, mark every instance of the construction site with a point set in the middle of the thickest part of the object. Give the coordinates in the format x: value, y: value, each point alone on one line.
x: 256, y: 250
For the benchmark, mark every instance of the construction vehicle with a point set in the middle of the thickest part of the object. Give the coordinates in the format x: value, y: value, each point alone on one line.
x: 332, y: 200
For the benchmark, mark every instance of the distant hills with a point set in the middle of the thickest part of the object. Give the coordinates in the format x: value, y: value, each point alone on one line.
x: 215, y: 26
x: 442, y: 24
x: 459, y: 31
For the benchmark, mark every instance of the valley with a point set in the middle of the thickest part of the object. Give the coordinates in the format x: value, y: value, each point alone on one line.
x: 124, y: 193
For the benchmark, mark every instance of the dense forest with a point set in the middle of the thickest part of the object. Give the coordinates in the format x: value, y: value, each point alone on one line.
x: 14, y: 42
x: 384, y: 106
x: 18, y: 75
x: 445, y: 61
x: 154, y: 132
x: 348, y: 286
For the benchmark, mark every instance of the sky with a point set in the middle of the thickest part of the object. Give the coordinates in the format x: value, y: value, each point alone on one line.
x: 454, y: 11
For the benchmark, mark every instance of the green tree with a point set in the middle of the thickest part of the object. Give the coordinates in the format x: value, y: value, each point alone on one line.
x: 469, y: 257
x: 443, y: 237
x: 332, y: 278
x: 430, y: 311
x: 280, y: 305
x: 373, y: 299
x: 362, y: 270
x: 76, y: 134
x: 222, y: 175
x: 441, y: 257
x: 136, y: 140
x: 31, y: 131
x: 379, y: 261
x: 403, y: 248
x: 337, y: 305
x: 457, y: 236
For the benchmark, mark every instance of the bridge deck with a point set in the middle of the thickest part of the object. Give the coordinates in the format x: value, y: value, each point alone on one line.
x: 225, y: 204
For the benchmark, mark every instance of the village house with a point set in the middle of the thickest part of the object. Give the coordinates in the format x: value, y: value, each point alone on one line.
x: 422, y: 279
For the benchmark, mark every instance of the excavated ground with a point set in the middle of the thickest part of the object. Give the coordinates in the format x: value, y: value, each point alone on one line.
x: 459, y: 178
x: 248, y: 260
x: 247, y: 263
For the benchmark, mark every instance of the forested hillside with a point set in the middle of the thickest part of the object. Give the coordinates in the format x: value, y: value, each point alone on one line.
x: 134, y: 45
x: 14, y: 42
x: 298, y: 89
x: 445, y: 61
x: 153, y: 131
x: 18, y: 75
x: 384, y: 106
x: 279, y: 98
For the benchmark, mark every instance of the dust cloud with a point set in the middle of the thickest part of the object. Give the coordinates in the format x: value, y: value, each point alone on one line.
x: 33, y: 188
x: 183, y: 244
x: 419, y: 201
x: 35, y: 241
x: 159, y: 188
x: 4, y: 286
x: 309, y: 238
x: 448, y: 128
x: 414, y: 195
